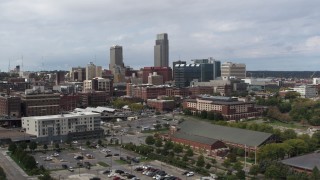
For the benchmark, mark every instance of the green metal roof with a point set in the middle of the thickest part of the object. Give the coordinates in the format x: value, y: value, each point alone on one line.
x: 224, y: 133
x: 195, y: 138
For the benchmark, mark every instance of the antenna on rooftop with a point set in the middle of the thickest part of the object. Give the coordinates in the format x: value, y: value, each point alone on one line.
x: 9, y: 65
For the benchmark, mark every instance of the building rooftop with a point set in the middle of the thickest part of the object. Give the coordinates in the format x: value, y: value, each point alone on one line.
x: 224, y: 133
x: 308, y: 161
x: 73, y: 114
x: 195, y: 138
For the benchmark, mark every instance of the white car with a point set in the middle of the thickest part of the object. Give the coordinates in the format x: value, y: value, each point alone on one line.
x: 190, y: 174
x: 111, y: 175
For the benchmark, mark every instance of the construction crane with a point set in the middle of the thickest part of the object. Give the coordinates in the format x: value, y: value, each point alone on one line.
x: 313, y: 74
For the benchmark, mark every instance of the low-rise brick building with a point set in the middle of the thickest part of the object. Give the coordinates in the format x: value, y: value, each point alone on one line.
x: 229, y: 108
x: 161, y: 105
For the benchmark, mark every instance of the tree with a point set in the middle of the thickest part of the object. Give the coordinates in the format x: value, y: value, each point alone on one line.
x: 272, y: 172
x: 12, y: 147
x: 33, y: 145
x: 288, y: 134
x: 232, y: 157
x: 241, y: 174
x: 237, y: 166
x: 203, y: 114
x: 45, y: 146
x: 56, y: 146
x: 99, y: 142
x: 157, y: 126
x: 208, y: 166
x: 158, y: 142
x: 226, y: 163
x: 2, y: 174
x: 88, y: 143
x: 200, y: 162
x: 23, y: 145
x: 189, y: 152
x: 185, y: 158
x: 254, y: 170
x: 168, y: 145
x: 150, y: 140
x: 177, y: 148
x: 315, y: 175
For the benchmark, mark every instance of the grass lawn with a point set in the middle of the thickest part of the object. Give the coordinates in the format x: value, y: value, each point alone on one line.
x: 121, y: 161
x: 103, y: 164
x: 19, y: 164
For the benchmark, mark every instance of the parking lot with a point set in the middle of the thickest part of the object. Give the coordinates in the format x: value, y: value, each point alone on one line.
x: 67, y: 157
x: 100, y: 163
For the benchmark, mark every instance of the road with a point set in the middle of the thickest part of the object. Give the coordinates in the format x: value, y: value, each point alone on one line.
x: 12, y: 170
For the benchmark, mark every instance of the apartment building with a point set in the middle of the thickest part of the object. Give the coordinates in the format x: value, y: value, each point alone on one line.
x: 74, y: 126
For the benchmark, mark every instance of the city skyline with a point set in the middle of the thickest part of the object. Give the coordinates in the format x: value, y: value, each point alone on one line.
x: 54, y: 35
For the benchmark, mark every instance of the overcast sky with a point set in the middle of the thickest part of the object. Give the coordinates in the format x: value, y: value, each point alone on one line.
x: 60, y: 34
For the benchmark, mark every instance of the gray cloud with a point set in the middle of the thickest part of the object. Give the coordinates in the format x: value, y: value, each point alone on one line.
x: 62, y: 34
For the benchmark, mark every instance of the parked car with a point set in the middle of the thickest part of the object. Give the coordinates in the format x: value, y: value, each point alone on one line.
x: 106, y: 172
x: 108, y: 155
x: 71, y: 169
x: 190, y: 174
x: 64, y: 166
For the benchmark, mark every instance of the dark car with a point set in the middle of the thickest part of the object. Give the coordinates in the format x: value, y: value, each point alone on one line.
x: 64, y: 166
x: 95, y: 178
x: 116, y: 154
x: 185, y: 173
x: 108, y: 155
x: 79, y: 164
x: 130, y: 176
x: 106, y: 172
x: 139, y: 169
x: 119, y: 171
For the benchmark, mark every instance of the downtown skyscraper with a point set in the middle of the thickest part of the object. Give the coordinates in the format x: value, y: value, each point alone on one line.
x: 161, y: 51
x: 116, y: 65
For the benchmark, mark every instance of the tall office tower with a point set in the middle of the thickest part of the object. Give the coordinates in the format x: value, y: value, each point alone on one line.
x: 174, y: 64
x: 231, y: 70
x: 93, y: 71
x: 78, y: 74
x: 116, y: 65
x: 161, y: 51
x: 203, y: 70
x: 116, y: 57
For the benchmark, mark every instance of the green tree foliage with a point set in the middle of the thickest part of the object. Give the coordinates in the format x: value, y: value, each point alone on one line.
x: 284, y: 107
x: 292, y: 95
x: 158, y: 142
x: 189, y: 152
x: 272, y: 172
x: 45, y: 146
x: 150, y: 140
x: 315, y: 175
x: 12, y: 147
x: 136, y: 106
x: 57, y: 146
x: 254, y: 170
x: 187, y: 111
x: 178, y: 148
x: 241, y: 174
x: 200, y: 161
x: 203, y: 114
x: 208, y: 166
x: 23, y: 145
x: 288, y: 134
x: 99, y: 142
x: 232, y: 157
x: 168, y: 145
x: 3, y: 175
x: 88, y: 143
x: 33, y: 146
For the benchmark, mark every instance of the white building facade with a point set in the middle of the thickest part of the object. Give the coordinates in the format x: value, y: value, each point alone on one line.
x: 80, y: 125
x: 307, y: 91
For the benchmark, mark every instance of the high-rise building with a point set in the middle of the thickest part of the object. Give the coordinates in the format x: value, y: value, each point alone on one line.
x: 116, y: 57
x: 116, y: 65
x: 93, y: 71
x: 161, y: 51
x: 78, y: 74
x: 203, y: 70
x: 231, y: 70
x: 174, y: 64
